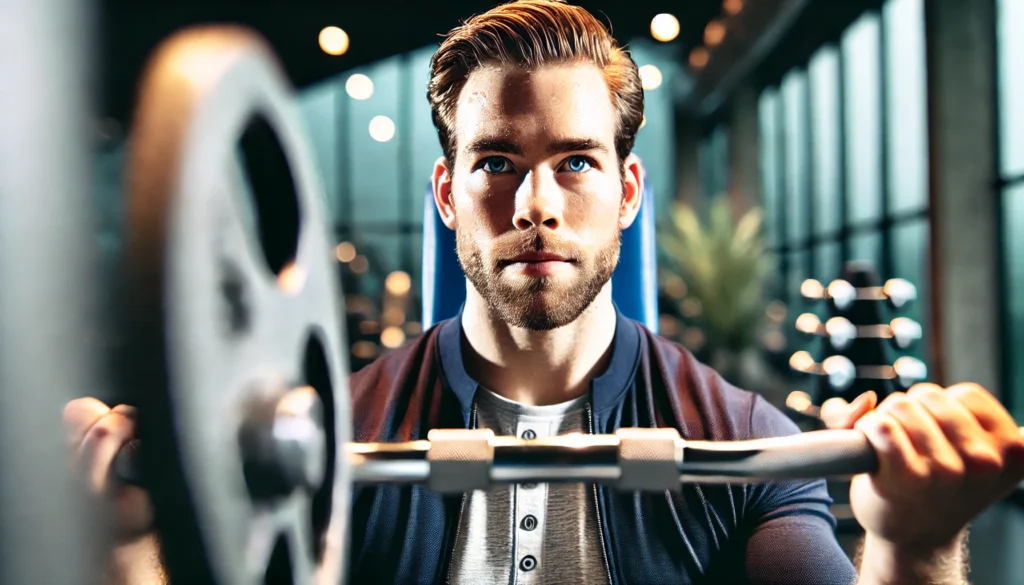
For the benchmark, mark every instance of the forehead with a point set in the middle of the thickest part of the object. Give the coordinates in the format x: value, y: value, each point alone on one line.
x: 563, y: 101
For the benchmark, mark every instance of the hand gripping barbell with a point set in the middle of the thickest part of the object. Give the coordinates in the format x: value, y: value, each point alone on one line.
x: 235, y: 332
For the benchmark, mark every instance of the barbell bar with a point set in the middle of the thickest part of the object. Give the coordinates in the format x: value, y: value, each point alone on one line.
x: 236, y: 350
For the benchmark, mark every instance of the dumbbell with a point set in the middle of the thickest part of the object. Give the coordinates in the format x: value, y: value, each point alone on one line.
x: 840, y: 331
x: 897, y: 292
x: 841, y: 372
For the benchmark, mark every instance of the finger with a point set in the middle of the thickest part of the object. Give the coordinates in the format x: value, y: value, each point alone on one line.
x: 991, y: 415
x: 963, y: 431
x: 1005, y: 436
x: 126, y: 410
x: 838, y: 414
x: 925, y: 435
x: 952, y: 416
x: 101, y: 444
x: 81, y: 414
x: 899, y: 464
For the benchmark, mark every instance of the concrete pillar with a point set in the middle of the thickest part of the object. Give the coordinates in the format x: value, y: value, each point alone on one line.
x: 963, y: 161
x: 744, y: 174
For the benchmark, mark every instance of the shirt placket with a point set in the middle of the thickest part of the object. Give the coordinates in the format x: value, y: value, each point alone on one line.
x: 531, y: 512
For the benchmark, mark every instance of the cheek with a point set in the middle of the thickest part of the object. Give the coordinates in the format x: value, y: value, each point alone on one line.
x: 595, y: 216
x: 484, y: 209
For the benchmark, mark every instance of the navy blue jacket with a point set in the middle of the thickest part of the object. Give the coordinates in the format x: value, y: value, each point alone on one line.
x: 771, y: 534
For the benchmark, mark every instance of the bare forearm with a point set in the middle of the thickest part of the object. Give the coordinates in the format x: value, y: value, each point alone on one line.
x: 882, y: 564
x: 137, y: 563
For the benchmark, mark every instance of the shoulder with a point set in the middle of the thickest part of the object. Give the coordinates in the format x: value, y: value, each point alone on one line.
x: 394, y: 365
x: 709, y: 406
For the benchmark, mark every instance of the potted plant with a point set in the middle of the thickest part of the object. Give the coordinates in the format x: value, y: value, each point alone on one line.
x: 724, y: 267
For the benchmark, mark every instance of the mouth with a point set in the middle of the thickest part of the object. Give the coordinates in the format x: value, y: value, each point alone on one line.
x: 535, y: 258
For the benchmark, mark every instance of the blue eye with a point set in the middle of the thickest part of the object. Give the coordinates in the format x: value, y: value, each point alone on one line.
x: 496, y: 164
x: 578, y: 164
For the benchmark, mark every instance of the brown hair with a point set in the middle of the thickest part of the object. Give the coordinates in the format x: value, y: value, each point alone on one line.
x: 531, y: 33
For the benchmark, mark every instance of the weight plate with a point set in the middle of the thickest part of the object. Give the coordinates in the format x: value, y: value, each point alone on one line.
x: 233, y: 301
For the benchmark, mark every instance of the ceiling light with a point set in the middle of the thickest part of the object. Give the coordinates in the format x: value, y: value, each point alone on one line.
x: 333, y: 40
x: 664, y: 27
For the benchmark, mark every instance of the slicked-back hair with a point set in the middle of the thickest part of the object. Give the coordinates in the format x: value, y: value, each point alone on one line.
x: 529, y: 34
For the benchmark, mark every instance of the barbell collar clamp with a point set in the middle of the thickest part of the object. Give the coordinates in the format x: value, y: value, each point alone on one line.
x: 460, y: 459
x: 649, y: 459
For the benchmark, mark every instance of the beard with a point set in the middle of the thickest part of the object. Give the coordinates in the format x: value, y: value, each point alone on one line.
x: 538, y: 303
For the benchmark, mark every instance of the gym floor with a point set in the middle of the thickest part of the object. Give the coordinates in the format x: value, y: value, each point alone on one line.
x: 996, y: 546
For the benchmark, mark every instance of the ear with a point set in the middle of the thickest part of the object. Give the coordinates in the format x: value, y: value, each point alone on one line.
x: 442, y: 182
x: 633, y: 188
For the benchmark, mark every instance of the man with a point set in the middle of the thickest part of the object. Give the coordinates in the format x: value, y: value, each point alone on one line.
x: 537, y: 108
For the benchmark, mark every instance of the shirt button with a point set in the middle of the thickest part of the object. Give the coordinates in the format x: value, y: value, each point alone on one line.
x: 529, y: 434
x: 528, y: 486
x: 528, y: 563
x: 529, y: 522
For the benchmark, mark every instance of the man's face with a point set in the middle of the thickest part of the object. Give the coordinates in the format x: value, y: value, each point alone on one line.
x: 537, y: 192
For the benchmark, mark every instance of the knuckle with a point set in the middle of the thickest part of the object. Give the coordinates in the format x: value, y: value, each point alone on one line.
x: 917, y: 476
x: 948, y: 469
x: 1014, y: 452
x: 110, y: 428
x: 885, y: 426
x: 925, y: 391
x: 899, y: 405
x: 967, y: 390
x: 982, y: 459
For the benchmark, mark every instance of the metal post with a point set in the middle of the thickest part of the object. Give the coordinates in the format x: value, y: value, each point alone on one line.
x: 47, y: 279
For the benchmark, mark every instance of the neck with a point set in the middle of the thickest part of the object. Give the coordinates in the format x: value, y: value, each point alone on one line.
x: 538, y: 367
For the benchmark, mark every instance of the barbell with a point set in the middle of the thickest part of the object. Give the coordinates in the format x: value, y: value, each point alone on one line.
x: 234, y: 330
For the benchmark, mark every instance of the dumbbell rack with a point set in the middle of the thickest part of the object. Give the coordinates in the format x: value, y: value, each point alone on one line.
x: 857, y: 350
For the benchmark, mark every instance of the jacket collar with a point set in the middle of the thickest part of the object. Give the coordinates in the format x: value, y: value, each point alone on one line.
x: 606, y: 390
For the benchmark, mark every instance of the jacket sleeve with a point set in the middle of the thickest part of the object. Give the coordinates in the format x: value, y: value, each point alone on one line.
x: 790, y: 530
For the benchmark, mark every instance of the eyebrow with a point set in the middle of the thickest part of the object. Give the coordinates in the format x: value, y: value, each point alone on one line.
x: 504, y: 145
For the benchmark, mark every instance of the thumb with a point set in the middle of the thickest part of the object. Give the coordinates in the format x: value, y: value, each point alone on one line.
x: 838, y: 414
x: 80, y: 415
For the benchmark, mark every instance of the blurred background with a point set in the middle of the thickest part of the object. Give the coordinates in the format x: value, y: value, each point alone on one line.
x: 784, y: 140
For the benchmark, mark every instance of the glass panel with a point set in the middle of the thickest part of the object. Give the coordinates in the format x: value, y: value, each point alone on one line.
x: 318, y: 110
x: 867, y: 247
x: 860, y: 45
x: 828, y: 261
x: 907, y: 119
x: 823, y: 72
x: 767, y: 118
x: 655, y: 142
x: 794, y: 95
x: 714, y: 162
x: 375, y: 187
x: 911, y: 248
x: 797, y: 273
x: 1013, y: 251
x: 1011, y: 84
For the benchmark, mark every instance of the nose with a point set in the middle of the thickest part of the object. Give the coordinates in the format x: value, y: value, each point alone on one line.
x: 539, y: 202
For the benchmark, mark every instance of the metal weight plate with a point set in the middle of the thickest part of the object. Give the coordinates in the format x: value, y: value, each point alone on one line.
x: 234, y: 322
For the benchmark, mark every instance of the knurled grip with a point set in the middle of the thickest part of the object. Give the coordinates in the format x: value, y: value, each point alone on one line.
x: 460, y: 459
x: 649, y: 459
